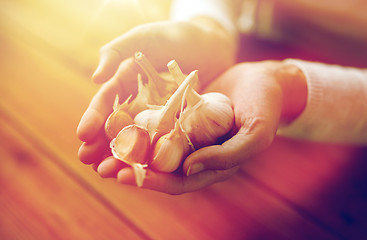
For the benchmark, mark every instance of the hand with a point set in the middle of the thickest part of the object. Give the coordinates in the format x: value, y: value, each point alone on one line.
x: 264, y: 95
x: 191, y: 44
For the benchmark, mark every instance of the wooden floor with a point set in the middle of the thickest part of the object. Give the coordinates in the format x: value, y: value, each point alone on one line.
x: 49, y: 49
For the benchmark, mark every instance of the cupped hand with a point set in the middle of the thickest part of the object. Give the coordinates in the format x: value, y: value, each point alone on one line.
x: 264, y: 95
x: 191, y: 44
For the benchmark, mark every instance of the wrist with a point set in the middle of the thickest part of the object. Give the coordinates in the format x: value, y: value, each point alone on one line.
x: 294, y: 91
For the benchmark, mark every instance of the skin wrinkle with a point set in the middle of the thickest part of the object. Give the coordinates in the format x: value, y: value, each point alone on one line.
x: 249, y: 124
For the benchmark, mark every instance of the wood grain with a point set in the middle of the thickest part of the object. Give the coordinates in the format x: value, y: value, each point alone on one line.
x: 293, y: 191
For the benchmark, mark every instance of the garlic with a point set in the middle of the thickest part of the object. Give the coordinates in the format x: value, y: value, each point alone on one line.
x: 161, y: 84
x: 170, y: 150
x: 164, y: 123
x: 160, y: 120
x: 118, y: 119
x: 206, y: 117
x: 210, y: 118
x: 132, y: 146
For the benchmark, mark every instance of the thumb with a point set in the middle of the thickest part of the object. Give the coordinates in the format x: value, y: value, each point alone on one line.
x: 253, y: 137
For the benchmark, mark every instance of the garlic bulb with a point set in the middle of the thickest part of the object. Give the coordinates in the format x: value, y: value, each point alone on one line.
x: 161, y: 120
x: 118, y: 119
x: 132, y: 146
x: 162, y: 84
x: 170, y: 150
x: 210, y: 118
x: 206, y: 117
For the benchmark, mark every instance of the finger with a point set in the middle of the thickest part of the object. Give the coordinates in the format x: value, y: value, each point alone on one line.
x: 95, y: 151
x: 97, y: 112
x: 250, y: 139
x: 107, y: 66
x: 109, y: 167
x: 174, y: 184
x: 116, y: 51
x: 124, y: 84
x: 95, y: 166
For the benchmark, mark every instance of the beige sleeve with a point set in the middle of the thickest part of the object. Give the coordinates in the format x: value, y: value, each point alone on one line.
x: 336, y: 109
x: 223, y: 11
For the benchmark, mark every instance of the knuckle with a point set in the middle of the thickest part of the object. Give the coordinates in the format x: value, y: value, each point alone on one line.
x: 104, y: 49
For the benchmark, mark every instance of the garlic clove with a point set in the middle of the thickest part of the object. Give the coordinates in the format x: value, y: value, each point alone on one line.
x: 170, y: 150
x: 132, y: 146
x: 118, y: 119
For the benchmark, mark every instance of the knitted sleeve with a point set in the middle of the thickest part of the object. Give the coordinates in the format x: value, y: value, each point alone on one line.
x: 336, y: 109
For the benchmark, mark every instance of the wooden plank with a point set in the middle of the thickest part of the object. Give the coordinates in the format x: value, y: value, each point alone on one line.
x: 325, y: 183
x: 40, y: 201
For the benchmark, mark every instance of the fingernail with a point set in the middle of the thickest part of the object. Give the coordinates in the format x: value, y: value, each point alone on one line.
x: 195, y: 168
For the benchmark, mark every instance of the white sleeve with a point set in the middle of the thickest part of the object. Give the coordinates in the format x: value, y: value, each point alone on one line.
x: 223, y: 11
x: 336, y: 109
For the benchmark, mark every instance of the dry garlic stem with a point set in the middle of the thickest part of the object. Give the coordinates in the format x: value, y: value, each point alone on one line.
x: 170, y: 150
x: 161, y: 120
x: 118, y: 119
x: 162, y: 84
x: 132, y: 146
x: 192, y: 96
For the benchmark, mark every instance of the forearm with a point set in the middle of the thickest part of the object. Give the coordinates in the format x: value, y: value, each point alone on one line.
x: 336, y: 108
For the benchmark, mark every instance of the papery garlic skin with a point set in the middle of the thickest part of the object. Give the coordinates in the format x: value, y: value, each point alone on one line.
x: 170, y: 150
x: 142, y: 99
x: 116, y: 122
x: 212, y: 117
x: 118, y: 119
